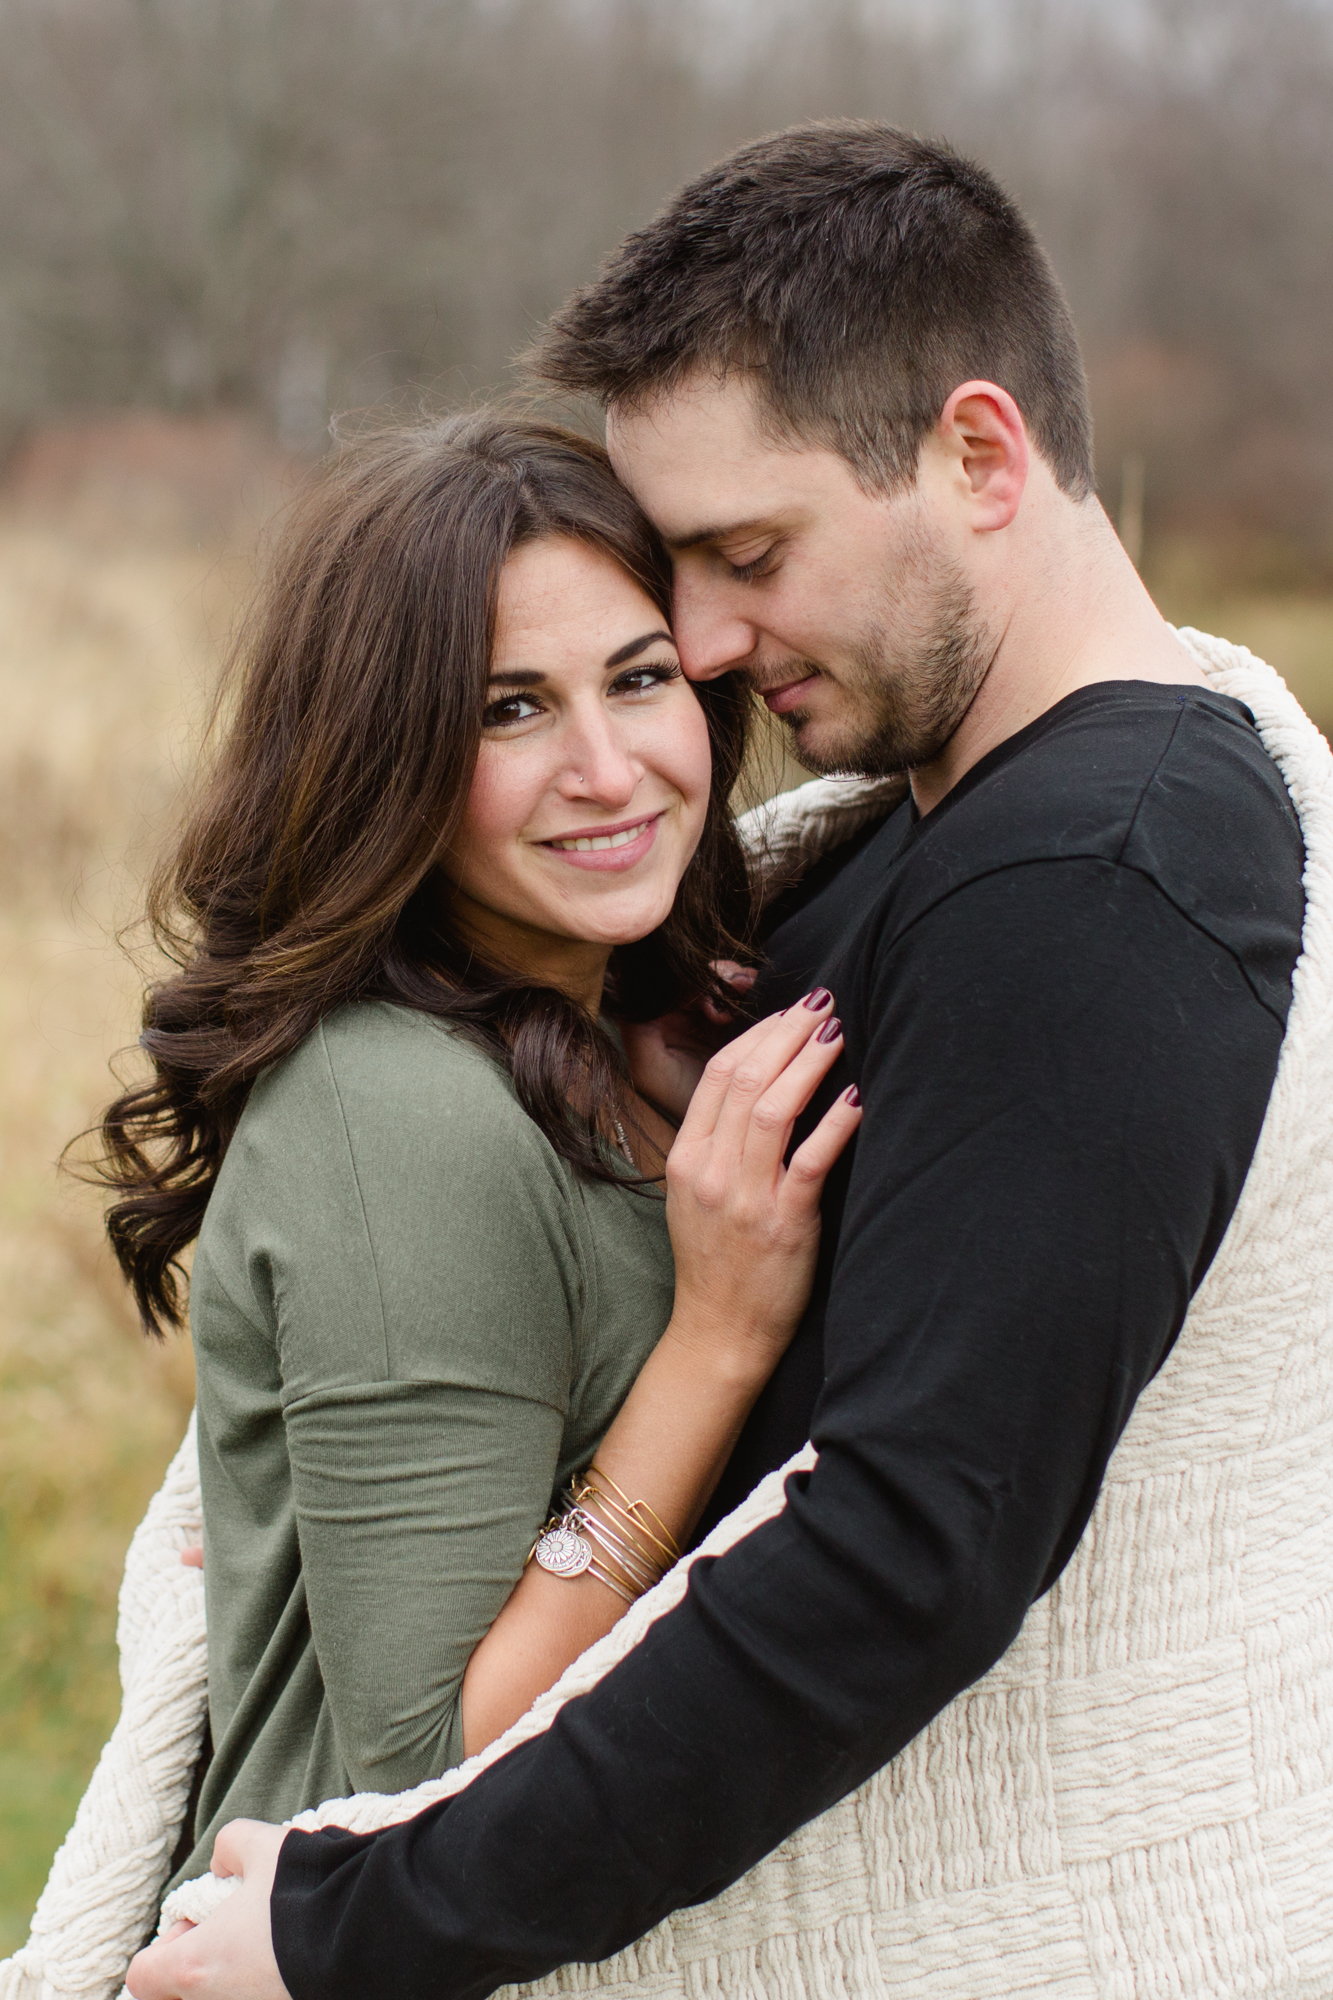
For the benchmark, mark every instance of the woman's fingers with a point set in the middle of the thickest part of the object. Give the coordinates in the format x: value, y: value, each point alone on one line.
x: 245, y: 1845
x: 731, y: 973
x: 739, y: 1074
x: 230, y: 1955
x: 775, y: 1084
x: 767, y: 1133
x: 743, y: 1059
x: 740, y: 978
x: 803, y: 1182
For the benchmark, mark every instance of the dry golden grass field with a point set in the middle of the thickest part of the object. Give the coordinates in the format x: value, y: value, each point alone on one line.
x: 105, y: 650
x: 109, y: 637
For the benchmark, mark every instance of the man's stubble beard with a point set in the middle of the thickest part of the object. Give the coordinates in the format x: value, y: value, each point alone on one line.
x: 910, y: 691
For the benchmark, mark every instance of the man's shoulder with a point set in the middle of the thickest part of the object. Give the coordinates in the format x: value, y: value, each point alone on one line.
x: 1087, y: 778
x: 1171, y: 782
x: 1131, y: 773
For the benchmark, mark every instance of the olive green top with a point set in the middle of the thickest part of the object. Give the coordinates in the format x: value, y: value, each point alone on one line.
x: 412, y: 1323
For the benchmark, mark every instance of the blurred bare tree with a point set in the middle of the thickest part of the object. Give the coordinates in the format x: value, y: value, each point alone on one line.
x: 299, y: 205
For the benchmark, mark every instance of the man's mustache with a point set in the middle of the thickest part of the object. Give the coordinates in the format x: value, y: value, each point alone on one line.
x: 762, y: 678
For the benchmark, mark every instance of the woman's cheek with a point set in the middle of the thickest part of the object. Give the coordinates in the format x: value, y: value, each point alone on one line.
x: 489, y: 813
x: 482, y: 853
x: 685, y: 759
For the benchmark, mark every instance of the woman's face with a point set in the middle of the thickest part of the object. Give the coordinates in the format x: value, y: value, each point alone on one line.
x: 592, y: 781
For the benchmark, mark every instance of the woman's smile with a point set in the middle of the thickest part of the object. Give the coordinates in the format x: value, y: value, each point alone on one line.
x: 618, y: 847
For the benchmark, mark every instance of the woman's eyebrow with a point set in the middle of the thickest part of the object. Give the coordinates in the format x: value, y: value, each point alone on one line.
x: 624, y: 653
x: 531, y: 677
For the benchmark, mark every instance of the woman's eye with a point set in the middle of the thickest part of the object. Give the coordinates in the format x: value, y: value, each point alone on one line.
x: 510, y: 709
x: 642, y: 680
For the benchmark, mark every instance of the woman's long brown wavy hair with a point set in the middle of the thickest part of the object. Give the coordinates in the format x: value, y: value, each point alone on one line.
x: 307, y: 873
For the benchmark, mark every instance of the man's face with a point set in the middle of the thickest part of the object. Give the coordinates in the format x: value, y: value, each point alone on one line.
x: 849, y: 612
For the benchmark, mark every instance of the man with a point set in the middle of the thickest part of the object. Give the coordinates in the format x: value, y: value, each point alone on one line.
x: 840, y: 376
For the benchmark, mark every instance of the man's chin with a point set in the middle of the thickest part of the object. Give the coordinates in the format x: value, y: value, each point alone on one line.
x: 831, y: 752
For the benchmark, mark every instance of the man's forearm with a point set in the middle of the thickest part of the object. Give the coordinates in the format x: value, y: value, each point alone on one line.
x: 490, y: 1887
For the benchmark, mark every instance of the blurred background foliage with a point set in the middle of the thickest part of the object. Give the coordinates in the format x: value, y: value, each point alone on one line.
x: 296, y: 206
x: 224, y: 222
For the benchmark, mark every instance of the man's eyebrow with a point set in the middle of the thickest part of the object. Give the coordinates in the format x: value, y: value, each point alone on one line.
x: 716, y: 534
x: 627, y: 652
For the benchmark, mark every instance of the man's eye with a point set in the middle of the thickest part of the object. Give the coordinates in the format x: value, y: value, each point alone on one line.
x: 510, y: 709
x: 642, y: 680
x: 747, y: 572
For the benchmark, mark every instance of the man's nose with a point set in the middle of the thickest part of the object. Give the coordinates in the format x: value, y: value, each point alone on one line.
x: 710, y: 637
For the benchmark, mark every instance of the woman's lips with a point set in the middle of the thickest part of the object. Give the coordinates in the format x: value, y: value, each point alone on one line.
x: 608, y: 851
x: 778, y: 700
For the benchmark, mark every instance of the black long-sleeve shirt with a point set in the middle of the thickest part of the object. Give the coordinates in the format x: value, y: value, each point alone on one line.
x: 1064, y: 992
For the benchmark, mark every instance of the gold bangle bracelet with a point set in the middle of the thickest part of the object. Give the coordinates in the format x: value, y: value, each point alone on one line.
x: 611, y: 1526
x: 631, y: 1560
x: 628, y: 1596
x: 668, y: 1544
x: 654, y: 1551
x: 600, y: 1530
x: 585, y: 1495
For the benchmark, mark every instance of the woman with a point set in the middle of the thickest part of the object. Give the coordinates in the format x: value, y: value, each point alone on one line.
x: 465, y: 801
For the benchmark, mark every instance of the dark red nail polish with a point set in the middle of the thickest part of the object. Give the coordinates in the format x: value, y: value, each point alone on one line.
x: 830, y: 1031
x: 851, y: 1096
x: 819, y: 999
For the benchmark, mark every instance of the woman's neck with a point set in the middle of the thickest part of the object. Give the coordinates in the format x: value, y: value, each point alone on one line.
x: 574, y: 966
x: 578, y: 968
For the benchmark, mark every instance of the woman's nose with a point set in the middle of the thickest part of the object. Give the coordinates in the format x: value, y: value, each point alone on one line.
x: 598, y: 764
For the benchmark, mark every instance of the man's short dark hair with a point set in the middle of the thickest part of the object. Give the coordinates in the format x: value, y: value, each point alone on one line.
x: 862, y: 275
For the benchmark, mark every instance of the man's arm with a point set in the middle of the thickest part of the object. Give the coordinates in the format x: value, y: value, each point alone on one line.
x: 1063, y: 1089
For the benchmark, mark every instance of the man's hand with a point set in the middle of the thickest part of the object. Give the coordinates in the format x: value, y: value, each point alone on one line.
x: 230, y: 1956
x: 667, y: 1056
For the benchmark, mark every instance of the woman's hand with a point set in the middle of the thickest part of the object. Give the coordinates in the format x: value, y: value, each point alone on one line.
x: 744, y: 1226
x: 667, y: 1055
x: 230, y: 1955
x: 745, y: 1230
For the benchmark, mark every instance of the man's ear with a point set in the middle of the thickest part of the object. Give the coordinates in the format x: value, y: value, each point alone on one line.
x: 982, y: 433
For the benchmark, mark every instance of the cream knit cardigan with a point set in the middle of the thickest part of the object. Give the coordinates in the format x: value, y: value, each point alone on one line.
x: 1136, y: 1801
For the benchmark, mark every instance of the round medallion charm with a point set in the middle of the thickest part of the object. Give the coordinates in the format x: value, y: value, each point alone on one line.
x: 563, y: 1552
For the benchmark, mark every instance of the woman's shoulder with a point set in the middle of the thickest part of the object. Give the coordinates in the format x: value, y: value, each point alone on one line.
x: 386, y: 1205
x: 398, y: 1085
x: 399, y: 1048
x: 390, y: 1050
